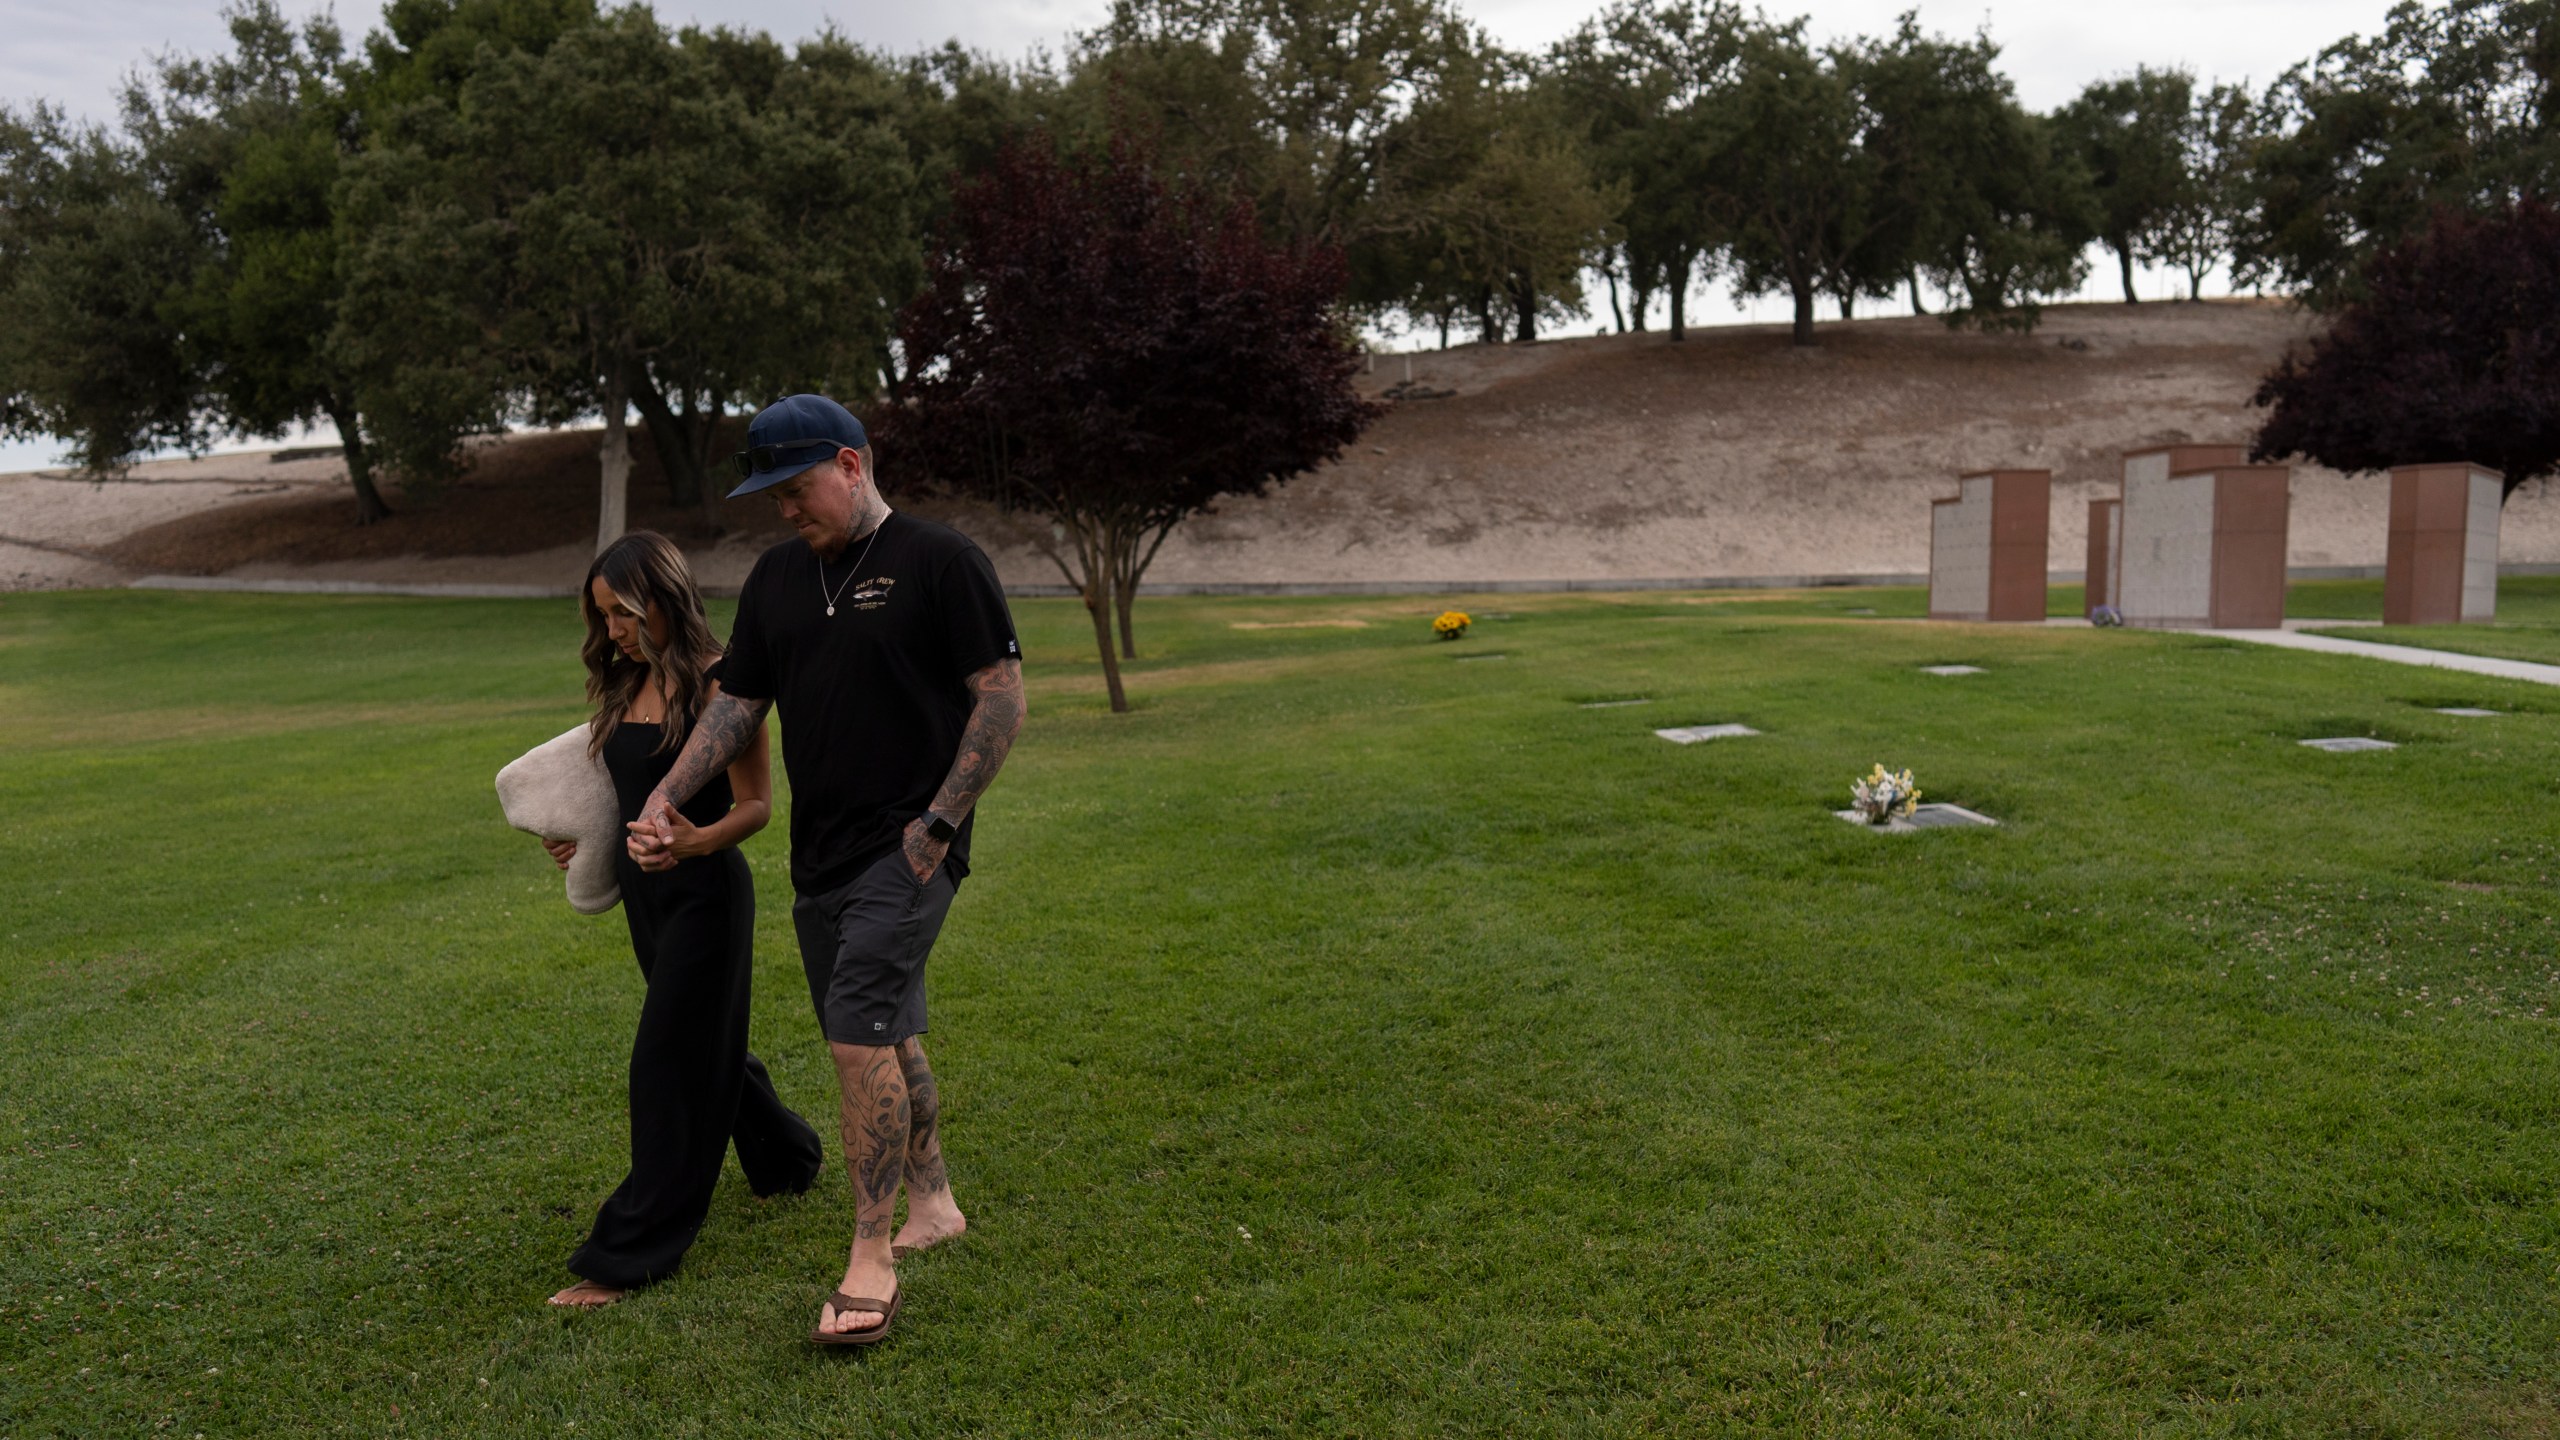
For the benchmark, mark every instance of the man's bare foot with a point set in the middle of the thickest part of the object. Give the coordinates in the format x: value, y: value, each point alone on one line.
x: 588, y: 1295
x: 874, y: 1277
x: 928, y: 1224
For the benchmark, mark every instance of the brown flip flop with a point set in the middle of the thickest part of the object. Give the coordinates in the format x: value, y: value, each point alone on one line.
x: 845, y: 1304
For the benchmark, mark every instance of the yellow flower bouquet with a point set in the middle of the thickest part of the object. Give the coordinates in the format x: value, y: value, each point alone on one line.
x: 1884, y: 795
x: 1451, y: 625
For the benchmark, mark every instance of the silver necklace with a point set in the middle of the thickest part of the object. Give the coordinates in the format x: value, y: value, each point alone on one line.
x: 857, y: 567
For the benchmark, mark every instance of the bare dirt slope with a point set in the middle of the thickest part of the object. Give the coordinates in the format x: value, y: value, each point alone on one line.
x: 1734, y: 455
x: 1619, y: 458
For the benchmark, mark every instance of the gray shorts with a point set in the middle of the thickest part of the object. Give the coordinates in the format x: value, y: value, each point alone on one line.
x: 864, y: 945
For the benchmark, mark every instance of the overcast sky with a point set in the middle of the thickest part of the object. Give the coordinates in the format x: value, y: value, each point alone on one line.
x: 75, y: 54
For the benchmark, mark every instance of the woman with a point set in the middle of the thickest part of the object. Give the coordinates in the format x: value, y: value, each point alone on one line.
x: 651, y: 668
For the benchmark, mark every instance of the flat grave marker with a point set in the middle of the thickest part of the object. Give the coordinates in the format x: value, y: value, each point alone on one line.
x: 1932, y: 816
x: 2349, y: 744
x: 1612, y: 704
x: 1951, y: 669
x: 1692, y: 734
x: 1469, y: 659
x: 2471, y: 711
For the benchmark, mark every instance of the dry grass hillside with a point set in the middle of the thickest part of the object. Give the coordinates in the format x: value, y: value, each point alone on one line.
x: 1618, y: 458
x: 1734, y: 455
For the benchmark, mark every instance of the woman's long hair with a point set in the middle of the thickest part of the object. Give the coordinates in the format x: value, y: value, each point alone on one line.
x: 646, y: 571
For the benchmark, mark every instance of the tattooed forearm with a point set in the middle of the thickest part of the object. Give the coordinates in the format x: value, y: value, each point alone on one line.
x: 993, y: 723
x: 728, y: 725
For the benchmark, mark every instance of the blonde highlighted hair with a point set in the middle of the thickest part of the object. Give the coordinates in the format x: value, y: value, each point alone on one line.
x: 647, y: 574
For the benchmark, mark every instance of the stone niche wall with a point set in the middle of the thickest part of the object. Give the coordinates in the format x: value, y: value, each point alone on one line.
x: 2106, y: 539
x: 2199, y: 539
x: 1987, y: 547
x: 2442, y: 563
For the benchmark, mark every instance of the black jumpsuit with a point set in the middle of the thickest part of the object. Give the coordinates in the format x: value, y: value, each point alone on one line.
x: 694, y: 1087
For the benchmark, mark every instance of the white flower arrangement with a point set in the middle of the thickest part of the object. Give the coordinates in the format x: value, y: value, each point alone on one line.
x: 1885, y: 795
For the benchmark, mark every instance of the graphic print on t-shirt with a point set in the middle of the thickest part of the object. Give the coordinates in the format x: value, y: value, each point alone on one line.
x: 872, y: 694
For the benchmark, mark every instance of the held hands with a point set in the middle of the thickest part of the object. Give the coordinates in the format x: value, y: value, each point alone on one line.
x: 659, y: 836
x: 561, y: 851
x: 923, y: 852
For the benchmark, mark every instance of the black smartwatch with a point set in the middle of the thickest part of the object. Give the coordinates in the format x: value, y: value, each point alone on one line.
x: 943, y: 831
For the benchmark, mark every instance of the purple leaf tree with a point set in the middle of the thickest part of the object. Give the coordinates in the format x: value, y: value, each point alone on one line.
x: 2453, y: 354
x: 1113, y: 353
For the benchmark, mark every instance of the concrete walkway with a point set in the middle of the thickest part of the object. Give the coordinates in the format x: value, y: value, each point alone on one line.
x: 2397, y: 654
x: 351, y: 587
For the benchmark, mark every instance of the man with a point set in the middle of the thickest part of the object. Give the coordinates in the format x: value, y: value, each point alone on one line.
x: 886, y: 644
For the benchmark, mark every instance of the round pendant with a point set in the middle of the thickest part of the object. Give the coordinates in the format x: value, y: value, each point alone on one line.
x: 831, y: 609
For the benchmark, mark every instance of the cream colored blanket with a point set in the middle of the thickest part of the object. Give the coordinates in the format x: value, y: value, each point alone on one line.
x: 558, y: 791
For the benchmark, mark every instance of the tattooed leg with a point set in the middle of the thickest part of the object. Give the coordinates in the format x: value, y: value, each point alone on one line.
x: 874, y: 1114
x: 932, y: 1216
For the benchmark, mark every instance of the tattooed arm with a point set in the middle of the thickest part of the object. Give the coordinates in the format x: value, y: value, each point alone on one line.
x: 993, y: 722
x: 728, y: 726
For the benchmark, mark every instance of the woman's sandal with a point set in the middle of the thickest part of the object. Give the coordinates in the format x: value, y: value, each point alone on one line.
x: 847, y: 1304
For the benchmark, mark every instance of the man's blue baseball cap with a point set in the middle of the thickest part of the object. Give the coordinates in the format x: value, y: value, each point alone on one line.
x: 792, y: 434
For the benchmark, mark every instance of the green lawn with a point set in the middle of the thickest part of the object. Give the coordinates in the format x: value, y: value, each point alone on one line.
x: 2527, y: 627
x: 1361, y: 1038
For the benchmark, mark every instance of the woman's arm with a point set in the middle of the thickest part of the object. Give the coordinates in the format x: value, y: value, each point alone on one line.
x: 750, y: 805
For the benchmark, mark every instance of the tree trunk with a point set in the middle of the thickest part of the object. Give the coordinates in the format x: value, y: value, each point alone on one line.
x: 1918, y: 306
x: 613, y: 461
x: 1098, y: 604
x: 1124, y: 586
x: 1484, y: 316
x: 1524, y: 298
x: 1091, y: 573
x: 1444, y: 328
x: 706, y: 431
x: 670, y: 436
x: 2124, y: 268
x: 369, y: 502
x: 1847, y: 301
x: 2195, y: 284
x: 1677, y: 282
x: 1133, y: 568
x: 1640, y: 297
x: 1803, y: 290
x: 1620, y: 316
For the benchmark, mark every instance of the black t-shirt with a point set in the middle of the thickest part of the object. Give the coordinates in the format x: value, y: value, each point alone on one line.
x: 874, y: 697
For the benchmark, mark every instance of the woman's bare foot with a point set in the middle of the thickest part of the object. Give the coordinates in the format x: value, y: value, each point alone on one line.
x: 929, y: 1223
x: 588, y: 1295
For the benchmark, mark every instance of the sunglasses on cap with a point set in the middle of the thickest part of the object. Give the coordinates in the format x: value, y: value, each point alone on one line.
x: 757, y: 458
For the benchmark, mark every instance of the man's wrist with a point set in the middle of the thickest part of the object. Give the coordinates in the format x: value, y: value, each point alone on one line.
x: 938, y: 829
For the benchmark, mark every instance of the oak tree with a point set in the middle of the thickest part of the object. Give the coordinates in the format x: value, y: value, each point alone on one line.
x: 2130, y: 136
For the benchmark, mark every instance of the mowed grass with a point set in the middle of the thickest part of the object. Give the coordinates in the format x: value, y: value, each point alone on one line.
x: 1361, y: 1038
x: 2527, y: 627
